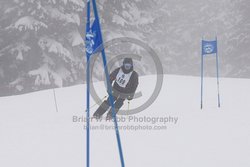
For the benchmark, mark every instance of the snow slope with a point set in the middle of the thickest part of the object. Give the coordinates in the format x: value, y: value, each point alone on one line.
x: 33, y: 134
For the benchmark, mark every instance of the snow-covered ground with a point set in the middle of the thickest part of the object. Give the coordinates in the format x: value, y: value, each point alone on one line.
x: 33, y: 134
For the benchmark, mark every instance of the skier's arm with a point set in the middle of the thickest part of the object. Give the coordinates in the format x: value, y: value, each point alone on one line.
x: 112, y: 76
x: 134, y: 86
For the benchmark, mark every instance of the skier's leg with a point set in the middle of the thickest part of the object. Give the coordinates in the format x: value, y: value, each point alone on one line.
x: 118, y: 105
x: 102, y: 108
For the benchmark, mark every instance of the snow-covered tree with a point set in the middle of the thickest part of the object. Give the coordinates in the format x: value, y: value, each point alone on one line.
x: 42, y: 42
x: 42, y: 39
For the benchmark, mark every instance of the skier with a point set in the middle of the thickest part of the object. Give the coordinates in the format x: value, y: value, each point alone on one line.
x: 124, y: 81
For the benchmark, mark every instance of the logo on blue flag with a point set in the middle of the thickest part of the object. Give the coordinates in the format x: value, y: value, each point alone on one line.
x: 209, y: 47
x: 93, y: 38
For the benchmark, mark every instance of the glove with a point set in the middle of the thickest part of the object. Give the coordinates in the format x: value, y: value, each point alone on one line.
x: 130, y: 97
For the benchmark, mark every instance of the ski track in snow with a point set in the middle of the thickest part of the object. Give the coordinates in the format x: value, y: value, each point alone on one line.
x: 33, y: 134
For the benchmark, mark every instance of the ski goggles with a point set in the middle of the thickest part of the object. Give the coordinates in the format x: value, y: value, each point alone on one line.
x: 127, y: 66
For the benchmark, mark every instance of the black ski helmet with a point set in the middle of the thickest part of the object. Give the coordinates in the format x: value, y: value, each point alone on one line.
x: 127, y: 65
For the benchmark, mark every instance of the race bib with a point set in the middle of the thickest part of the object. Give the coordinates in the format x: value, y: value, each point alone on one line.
x: 122, y: 79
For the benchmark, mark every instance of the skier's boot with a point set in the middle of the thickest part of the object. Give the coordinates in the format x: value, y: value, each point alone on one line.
x: 109, y: 116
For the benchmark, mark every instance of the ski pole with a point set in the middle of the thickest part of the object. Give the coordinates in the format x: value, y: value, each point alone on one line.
x: 128, y: 105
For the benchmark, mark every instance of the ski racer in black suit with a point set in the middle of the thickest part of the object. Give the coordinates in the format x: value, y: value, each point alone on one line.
x: 124, y: 81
